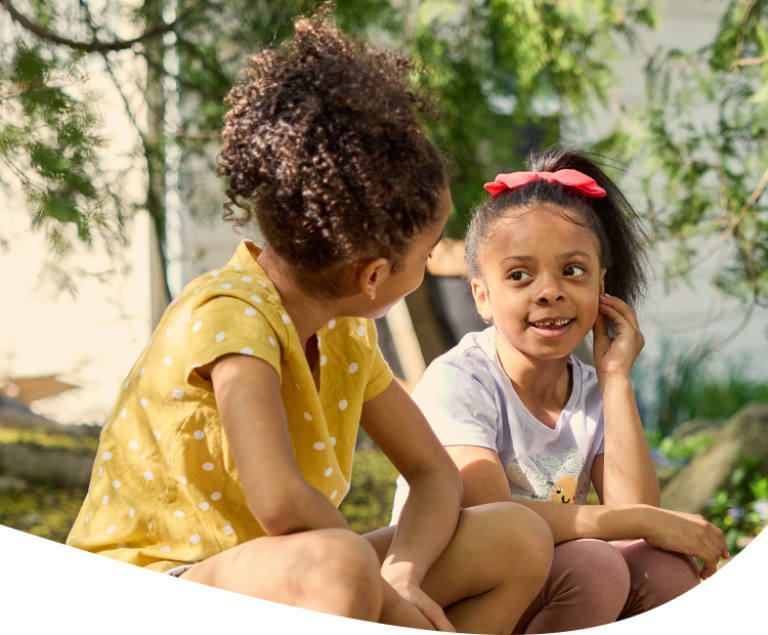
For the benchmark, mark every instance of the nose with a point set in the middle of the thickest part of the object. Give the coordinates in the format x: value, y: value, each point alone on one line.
x: 549, y: 291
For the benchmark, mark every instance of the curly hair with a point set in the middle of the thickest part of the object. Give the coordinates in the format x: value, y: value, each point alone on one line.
x: 323, y: 145
x: 621, y: 240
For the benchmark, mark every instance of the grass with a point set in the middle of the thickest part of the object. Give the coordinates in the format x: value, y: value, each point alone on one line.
x: 86, y: 445
x: 42, y: 510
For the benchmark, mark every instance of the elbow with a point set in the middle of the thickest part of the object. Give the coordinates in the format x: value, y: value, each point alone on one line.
x: 445, y: 475
x: 278, y: 515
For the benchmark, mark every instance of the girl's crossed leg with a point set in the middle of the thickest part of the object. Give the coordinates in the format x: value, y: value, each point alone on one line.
x: 488, y: 574
x: 593, y: 582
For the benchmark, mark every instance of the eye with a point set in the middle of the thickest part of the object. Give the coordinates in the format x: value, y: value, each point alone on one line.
x: 519, y: 276
x: 574, y: 270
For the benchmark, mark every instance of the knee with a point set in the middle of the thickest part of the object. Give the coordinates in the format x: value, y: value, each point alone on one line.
x: 523, y: 540
x: 660, y: 576
x: 342, y: 571
x: 597, y: 572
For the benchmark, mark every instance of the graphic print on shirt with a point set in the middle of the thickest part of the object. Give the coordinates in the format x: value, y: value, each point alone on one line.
x: 550, y: 479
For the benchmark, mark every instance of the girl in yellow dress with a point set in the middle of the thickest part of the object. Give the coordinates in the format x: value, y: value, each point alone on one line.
x: 230, y: 446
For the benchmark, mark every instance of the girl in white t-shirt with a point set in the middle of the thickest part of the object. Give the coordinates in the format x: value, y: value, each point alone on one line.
x: 555, y: 253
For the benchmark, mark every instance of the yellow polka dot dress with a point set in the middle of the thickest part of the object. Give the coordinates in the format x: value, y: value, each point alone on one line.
x: 164, y: 488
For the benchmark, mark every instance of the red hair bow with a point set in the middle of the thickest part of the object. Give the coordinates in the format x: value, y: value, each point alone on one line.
x: 571, y: 178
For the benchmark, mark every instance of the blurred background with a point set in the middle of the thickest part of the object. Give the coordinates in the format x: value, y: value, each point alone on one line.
x: 110, y: 115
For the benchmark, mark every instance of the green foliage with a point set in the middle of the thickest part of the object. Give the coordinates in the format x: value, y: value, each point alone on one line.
x: 685, y: 449
x: 741, y: 510
x: 505, y: 72
x: 700, y: 146
x: 368, y: 505
x: 41, y: 510
x: 681, y: 389
x: 48, y: 143
x: 83, y: 445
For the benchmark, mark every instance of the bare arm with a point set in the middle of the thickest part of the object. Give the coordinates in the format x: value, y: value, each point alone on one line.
x: 485, y: 482
x: 431, y: 513
x: 628, y: 472
x: 248, y: 397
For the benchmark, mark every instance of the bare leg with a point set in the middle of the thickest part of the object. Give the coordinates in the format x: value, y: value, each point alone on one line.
x: 329, y: 570
x: 491, y: 570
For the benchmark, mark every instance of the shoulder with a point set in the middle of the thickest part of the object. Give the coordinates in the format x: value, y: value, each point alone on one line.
x: 351, y: 332
x: 586, y: 375
x: 468, y: 365
x: 590, y: 397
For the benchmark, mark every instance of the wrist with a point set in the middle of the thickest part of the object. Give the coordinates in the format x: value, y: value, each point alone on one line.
x: 643, y: 518
x: 402, y: 572
x: 613, y: 381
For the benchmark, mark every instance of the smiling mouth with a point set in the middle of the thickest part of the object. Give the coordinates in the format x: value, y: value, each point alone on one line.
x: 552, y: 324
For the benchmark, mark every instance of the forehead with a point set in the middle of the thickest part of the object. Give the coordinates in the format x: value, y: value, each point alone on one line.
x: 539, y: 233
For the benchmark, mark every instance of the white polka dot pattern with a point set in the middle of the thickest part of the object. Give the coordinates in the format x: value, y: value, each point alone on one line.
x: 144, y: 482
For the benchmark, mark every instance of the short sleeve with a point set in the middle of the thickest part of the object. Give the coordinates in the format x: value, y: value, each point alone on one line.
x: 381, y: 376
x: 458, y: 406
x: 224, y: 325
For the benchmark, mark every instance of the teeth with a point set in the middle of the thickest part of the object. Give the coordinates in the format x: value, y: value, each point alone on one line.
x: 552, y: 322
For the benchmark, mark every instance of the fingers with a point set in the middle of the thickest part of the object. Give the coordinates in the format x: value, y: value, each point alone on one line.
x: 626, y: 311
x: 599, y: 329
x: 436, y: 615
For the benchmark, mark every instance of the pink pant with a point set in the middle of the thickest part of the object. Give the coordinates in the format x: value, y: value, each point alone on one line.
x: 593, y: 582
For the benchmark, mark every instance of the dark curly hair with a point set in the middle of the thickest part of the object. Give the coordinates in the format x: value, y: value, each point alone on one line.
x: 323, y: 145
x: 621, y: 240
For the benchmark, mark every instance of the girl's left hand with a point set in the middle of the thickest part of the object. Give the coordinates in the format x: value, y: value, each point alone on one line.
x: 430, y: 609
x: 615, y: 357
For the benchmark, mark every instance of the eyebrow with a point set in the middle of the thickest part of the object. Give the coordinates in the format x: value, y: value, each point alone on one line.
x: 563, y: 256
x: 571, y: 254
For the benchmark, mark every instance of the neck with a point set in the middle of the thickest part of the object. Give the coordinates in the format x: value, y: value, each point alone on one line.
x: 540, y: 383
x: 308, y: 313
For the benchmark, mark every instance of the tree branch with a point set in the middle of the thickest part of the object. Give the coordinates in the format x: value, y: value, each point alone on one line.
x: 750, y: 61
x: 94, y: 46
x: 734, y: 224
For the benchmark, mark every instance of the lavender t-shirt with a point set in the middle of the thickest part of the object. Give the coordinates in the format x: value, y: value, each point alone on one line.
x: 468, y: 399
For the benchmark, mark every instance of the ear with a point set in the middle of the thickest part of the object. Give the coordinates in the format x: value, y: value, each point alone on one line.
x: 602, y: 280
x: 370, y: 276
x: 480, y: 293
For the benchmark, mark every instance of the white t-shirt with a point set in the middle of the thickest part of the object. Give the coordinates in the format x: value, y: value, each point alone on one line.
x: 468, y: 399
